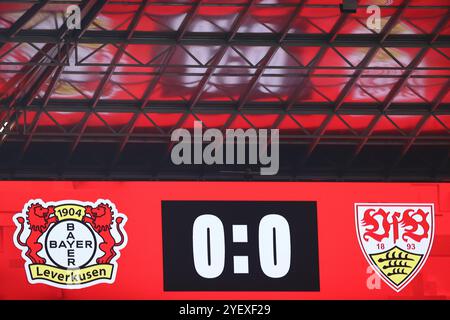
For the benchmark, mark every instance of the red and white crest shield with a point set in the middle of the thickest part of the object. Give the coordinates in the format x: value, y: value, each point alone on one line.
x: 396, y: 238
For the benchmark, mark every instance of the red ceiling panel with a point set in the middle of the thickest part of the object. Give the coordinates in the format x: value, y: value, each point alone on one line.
x: 214, y: 19
x: 290, y: 126
x: 329, y: 88
x: 162, y: 18
x: 262, y: 121
x: 213, y: 120
x: 406, y: 123
x: 165, y: 121
x: 180, y: 58
x: 385, y: 126
x: 144, y: 125
x: 358, y: 123
x: 444, y: 119
x: 356, y: 23
x: 10, y: 13
x: 66, y: 120
x: 360, y: 93
x: 114, y: 17
x: 265, y: 20
x: 303, y: 54
x: 337, y: 125
x: 310, y: 122
x: 311, y: 20
x: 240, y: 122
x: 433, y: 126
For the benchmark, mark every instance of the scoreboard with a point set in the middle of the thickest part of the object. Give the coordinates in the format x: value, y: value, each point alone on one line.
x: 240, y: 246
x: 224, y: 240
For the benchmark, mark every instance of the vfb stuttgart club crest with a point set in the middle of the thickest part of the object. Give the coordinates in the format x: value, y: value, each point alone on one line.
x: 70, y: 244
x: 396, y: 239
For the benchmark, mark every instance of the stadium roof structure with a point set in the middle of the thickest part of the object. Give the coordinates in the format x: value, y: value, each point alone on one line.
x: 100, y: 102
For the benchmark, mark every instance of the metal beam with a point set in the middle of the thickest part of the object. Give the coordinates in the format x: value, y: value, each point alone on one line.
x: 152, y: 85
x: 414, y: 64
x: 249, y: 39
x: 34, y: 126
x: 363, y: 64
x: 142, y: 174
x: 404, y: 80
x: 389, y: 100
x: 41, y: 73
x: 98, y: 92
x: 266, y: 60
x: 419, y: 127
x: 40, y: 70
x: 25, y: 18
x: 286, y: 138
x: 312, y: 65
x: 22, y: 86
x: 90, y: 10
x: 188, y: 19
x: 138, y: 106
x: 305, y: 83
x: 219, y: 55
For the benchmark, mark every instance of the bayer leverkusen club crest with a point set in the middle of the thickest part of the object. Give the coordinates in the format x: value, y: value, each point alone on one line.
x: 70, y: 244
x: 396, y: 239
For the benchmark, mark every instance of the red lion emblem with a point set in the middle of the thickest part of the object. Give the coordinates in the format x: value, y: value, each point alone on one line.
x: 101, y: 219
x: 39, y: 219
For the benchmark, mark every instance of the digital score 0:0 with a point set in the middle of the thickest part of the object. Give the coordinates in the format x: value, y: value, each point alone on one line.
x: 240, y: 246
